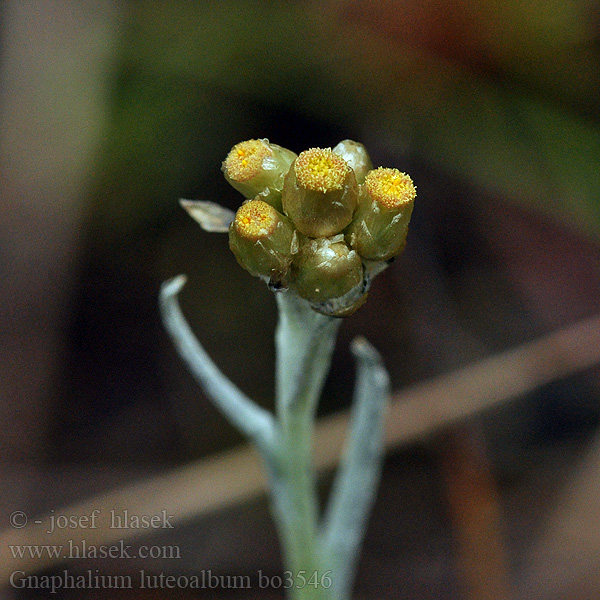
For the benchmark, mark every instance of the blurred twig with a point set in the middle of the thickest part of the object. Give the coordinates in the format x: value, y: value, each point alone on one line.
x: 474, y: 507
x: 417, y: 412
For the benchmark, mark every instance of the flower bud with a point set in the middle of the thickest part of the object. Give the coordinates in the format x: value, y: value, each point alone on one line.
x: 320, y: 193
x: 262, y: 239
x: 356, y: 156
x: 258, y: 167
x: 380, y: 225
x: 325, y: 269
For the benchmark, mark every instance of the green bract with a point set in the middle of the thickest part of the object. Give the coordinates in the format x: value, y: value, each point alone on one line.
x: 262, y: 240
x: 326, y: 269
x: 356, y: 156
x: 380, y: 225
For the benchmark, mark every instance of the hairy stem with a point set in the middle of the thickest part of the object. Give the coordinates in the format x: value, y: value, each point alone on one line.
x: 355, y: 485
x: 320, y: 558
x: 304, y: 342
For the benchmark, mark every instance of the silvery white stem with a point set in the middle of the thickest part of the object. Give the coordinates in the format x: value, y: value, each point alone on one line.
x: 305, y: 341
x: 356, y: 481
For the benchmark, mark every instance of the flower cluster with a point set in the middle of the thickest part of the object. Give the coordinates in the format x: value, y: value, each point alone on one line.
x: 321, y: 223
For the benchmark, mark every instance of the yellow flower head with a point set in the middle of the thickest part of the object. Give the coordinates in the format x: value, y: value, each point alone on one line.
x: 390, y: 188
x: 245, y: 159
x: 256, y: 220
x: 321, y: 170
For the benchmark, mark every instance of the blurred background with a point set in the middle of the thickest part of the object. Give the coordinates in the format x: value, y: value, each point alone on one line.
x: 112, y: 110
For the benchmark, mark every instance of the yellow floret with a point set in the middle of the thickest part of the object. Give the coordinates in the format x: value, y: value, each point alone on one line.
x: 255, y: 220
x: 321, y: 170
x: 245, y: 159
x: 390, y: 187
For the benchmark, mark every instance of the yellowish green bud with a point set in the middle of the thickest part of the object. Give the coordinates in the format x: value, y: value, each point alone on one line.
x: 320, y: 193
x: 262, y: 240
x: 380, y: 225
x: 356, y: 156
x: 326, y: 269
x: 258, y: 167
